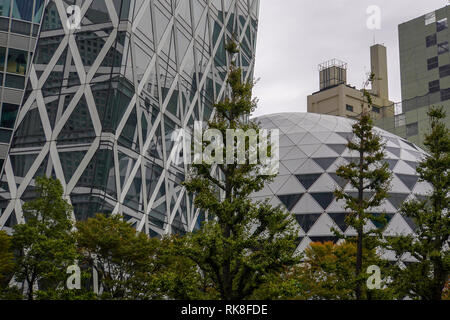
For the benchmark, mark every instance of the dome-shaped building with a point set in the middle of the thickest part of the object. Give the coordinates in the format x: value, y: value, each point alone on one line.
x: 312, y: 147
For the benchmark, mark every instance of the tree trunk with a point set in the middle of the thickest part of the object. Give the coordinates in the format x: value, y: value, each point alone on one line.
x: 359, y: 257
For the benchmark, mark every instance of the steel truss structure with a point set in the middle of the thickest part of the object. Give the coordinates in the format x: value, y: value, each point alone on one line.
x: 105, y: 97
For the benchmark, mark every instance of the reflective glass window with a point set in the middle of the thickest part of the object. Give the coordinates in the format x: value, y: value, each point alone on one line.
x: 430, y: 18
x: 38, y: 9
x: 2, y: 57
x: 17, y: 61
x: 431, y: 40
x: 20, y: 27
x: 434, y: 86
x: 441, y: 25
x: 445, y: 94
x: 5, y: 135
x: 4, y: 24
x: 22, y: 10
x: 433, y: 63
x: 9, y: 114
x: 14, y: 81
x: 444, y: 71
x: 443, y: 47
x: 4, y: 7
x: 412, y: 129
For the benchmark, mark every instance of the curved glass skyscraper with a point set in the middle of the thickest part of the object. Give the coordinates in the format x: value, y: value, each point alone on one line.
x: 110, y: 83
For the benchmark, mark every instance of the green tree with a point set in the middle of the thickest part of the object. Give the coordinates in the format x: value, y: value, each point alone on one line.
x: 328, y: 272
x: 123, y: 258
x: 426, y: 278
x: 178, y: 276
x: 369, y: 175
x: 244, y: 243
x: 6, y: 260
x: 45, y: 244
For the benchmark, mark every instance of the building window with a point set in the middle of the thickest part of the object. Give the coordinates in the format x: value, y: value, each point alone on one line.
x: 445, y: 94
x: 376, y: 109
x: 443, y: 47
x: 13, y: 81
x: 349, y: 108
x: 20, y: 27
x: 4, y: 7
x: 433, y: 63
x: 430, y: 18
x: 400, y: 120
x: 434, y: 86
x: 2, y: 57
x: 17, y: 61
x: 22, y: 10
x: 441, y: 25
x: 444, y: 71
x: 9, y: 114
x: 431, y: 40
x: 412, y: 129
x: 38, y: 9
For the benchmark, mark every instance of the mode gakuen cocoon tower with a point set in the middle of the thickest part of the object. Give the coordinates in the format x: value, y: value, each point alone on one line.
x: 110, y: 83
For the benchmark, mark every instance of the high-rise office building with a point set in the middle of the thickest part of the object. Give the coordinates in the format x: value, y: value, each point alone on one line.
x: 19, y: 27
x: 110, y: 84
x: 425, y: 74
x: 337, y: 98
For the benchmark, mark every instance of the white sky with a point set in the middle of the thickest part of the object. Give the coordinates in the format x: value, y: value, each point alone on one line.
x: 295, y: 36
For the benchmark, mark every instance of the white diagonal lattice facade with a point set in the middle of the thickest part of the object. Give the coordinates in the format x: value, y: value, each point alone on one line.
x: 103, y: 101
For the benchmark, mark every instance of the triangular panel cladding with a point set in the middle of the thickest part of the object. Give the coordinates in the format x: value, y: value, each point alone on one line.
x: 409, y: 180
x: 306, y: 221
x: 339, y: 218
x: 325, y: 163
x: 307, y: 180
x: 340, y: 181
x: 397, y: 199
x: 290, y: 200
x: 338, y: 148
x: 323, y: 198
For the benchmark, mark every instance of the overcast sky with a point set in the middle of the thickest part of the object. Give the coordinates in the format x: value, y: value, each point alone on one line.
x: 296, y: 35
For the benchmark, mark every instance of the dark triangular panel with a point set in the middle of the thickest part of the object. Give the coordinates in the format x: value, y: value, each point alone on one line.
x: 409, y: 144
x: 408, y: 180
x: 392, y: 163
x: 412, y: 164
x: 346, y: 135
x: 338, y: 148
x: 307, y: 180
x: 397, y: 199
x: 306, y: 221
x: 323, y: 198
x: 410, y: 222
x: 339, y: 219
x: 387, y: 216
x: 340, y: 181
x: 393, y: 140
x: 290, y: 200
x: 394, y: 151
x: 298, y: 241
x: 325, y: 163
